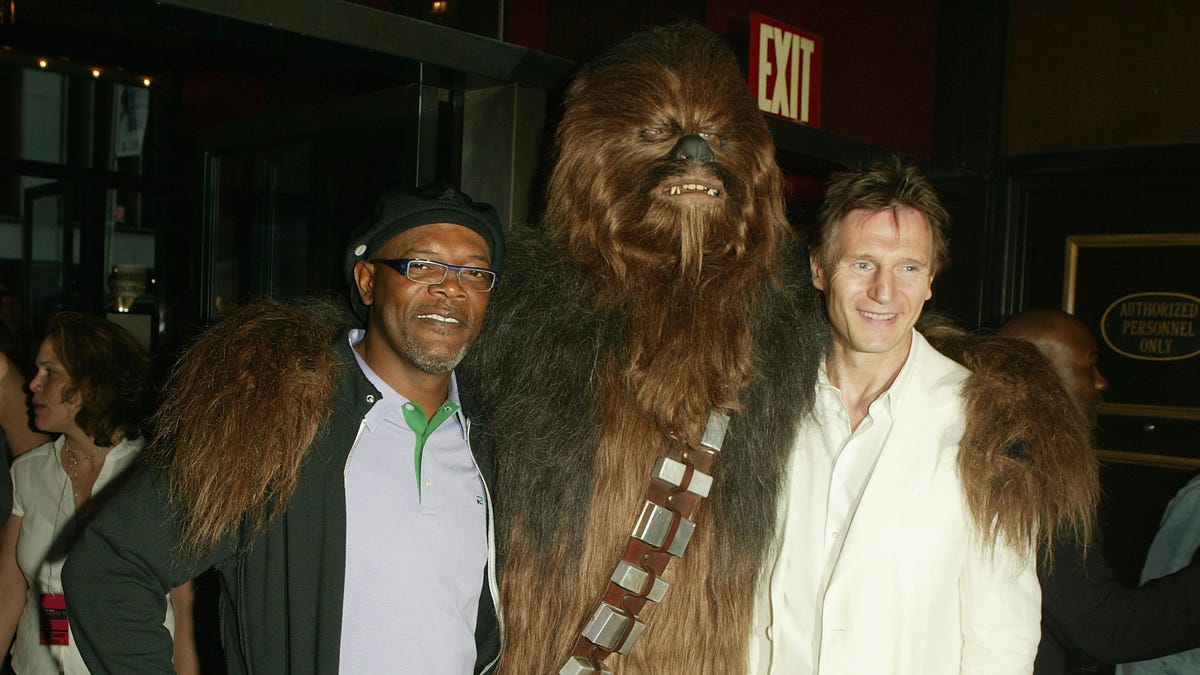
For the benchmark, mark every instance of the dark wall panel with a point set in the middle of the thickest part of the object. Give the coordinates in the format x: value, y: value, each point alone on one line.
x: 1102, y: 73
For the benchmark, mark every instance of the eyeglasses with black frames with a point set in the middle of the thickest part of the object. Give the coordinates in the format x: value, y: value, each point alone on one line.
x: 431, y: 272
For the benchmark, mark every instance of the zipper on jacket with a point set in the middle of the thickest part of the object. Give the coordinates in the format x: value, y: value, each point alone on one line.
x: 362, y: 424
x: 493, y: 583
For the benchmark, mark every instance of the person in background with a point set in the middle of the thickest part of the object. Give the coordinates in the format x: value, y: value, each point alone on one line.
x: 1070, y: 347
x: 335, y: 480
x: 19, y: 435
x: 16, y: 433
x: 90, y: 389
x: 10, y: 320
x: 1175, y: 547
x: 1088, y: 617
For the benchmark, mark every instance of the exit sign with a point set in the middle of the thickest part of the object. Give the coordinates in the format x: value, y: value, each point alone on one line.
x: 785, y: 69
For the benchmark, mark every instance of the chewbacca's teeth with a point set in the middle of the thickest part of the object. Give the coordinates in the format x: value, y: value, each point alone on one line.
x: 693, y: 187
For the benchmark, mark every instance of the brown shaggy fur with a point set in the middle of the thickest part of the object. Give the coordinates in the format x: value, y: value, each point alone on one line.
x: 270, y: 355
x: 615, y: 334
x: 1029, y: 471
x: 659, y: 260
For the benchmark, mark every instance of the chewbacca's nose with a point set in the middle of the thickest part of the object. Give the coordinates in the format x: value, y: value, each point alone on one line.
x: 694, y: 148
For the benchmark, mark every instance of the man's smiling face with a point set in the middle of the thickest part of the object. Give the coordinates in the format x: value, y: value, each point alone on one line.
x: 426, y: 326
x: 877, y: 284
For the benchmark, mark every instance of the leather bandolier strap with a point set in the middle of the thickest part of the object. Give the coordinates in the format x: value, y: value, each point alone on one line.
x: 681, y: 480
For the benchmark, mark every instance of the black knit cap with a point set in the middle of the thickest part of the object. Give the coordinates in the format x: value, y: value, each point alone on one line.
x: 403, y: 209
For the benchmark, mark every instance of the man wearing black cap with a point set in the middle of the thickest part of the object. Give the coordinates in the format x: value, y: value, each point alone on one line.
x: 349, y: 514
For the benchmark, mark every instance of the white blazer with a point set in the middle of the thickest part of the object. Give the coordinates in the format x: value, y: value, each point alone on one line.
x: 912, y: 590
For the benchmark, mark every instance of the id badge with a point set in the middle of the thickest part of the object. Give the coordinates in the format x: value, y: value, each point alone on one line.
x: 55, y: 630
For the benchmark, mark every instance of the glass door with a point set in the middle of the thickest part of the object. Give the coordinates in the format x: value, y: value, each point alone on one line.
x: 283, y: 191
x: 50, y: 257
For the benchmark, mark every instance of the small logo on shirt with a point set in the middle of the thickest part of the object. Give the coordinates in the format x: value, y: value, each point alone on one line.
x: 479, y: 499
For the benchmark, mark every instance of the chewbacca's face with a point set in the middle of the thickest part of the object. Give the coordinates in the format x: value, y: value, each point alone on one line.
x: 665, y: 161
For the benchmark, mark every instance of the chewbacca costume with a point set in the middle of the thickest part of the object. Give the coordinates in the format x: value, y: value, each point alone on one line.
x: 667, y: 283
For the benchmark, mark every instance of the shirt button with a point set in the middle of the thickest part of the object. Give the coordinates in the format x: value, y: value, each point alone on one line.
x: 408, y: 406
x: 836, y: 534
x: 370, y: 398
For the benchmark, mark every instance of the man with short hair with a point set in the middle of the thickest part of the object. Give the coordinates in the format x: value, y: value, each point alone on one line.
x: 1088, y: 617
x: 880, y: 566
x: 1070, y: 347
x: 348, y: 511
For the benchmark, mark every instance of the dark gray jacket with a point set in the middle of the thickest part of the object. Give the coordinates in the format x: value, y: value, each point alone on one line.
x: 281, y: 599
x: 1090, y: 618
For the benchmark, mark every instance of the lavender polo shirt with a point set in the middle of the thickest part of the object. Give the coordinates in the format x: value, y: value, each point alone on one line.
x: 415, y: 558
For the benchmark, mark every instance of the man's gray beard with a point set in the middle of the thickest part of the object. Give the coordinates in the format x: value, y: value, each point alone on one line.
x: 429, y: 362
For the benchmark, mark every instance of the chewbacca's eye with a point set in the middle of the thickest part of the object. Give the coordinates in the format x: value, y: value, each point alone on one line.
x: 654, y: 135
x: 713, y: 139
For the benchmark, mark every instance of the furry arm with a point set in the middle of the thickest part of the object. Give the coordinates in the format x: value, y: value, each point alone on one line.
x: 1027, y: 464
